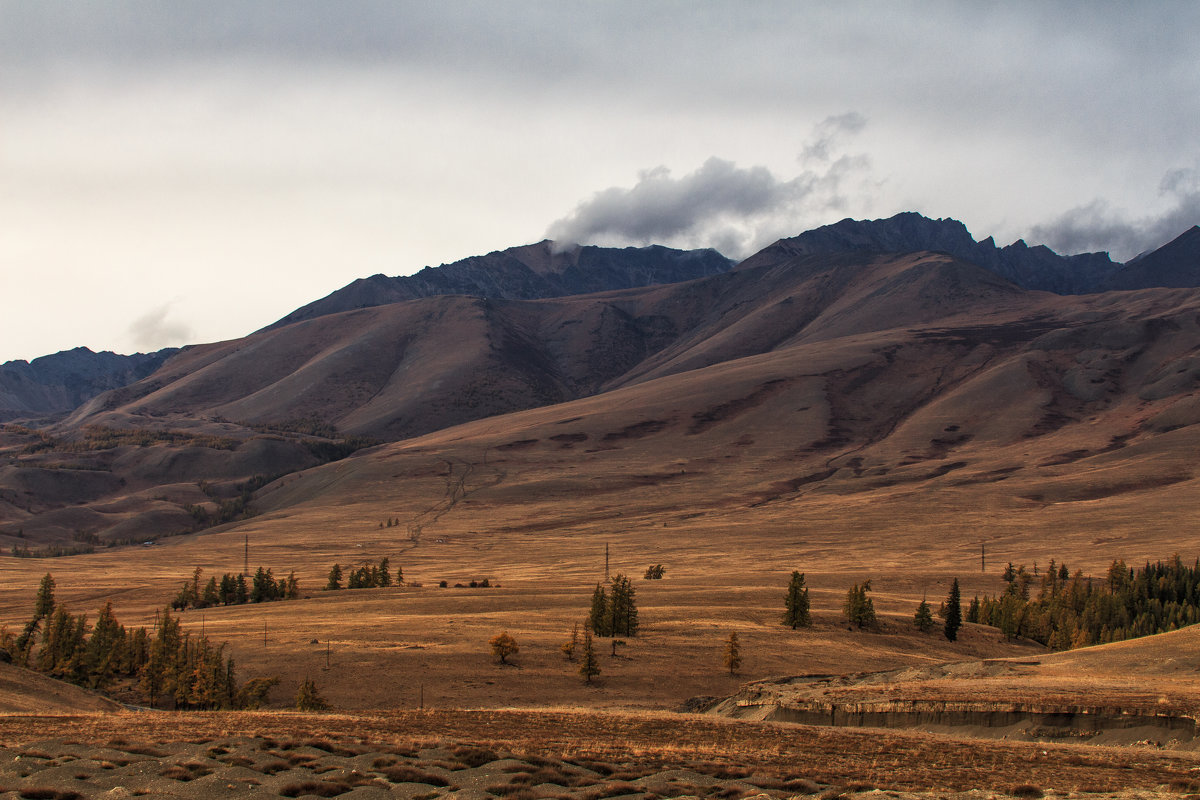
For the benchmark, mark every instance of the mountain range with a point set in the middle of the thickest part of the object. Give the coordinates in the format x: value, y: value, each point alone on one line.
x: 856, y: 357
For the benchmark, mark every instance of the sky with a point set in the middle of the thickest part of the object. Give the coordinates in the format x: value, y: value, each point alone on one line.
x: 191, y: 171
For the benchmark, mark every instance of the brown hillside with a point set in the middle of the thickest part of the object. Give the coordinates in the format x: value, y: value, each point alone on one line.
x: 887, y: 377
x: 23, y: 691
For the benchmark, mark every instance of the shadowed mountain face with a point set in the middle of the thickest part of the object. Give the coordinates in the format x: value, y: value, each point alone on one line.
x: 57, y: 383
x: 525, y: 273
x: 409, y: 368
x: 1175, y: 264
x: 1036, y: 267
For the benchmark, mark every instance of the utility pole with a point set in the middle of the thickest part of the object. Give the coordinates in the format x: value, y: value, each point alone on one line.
x: 982, y: 557
x: 606, y: 561
x: 421, y: 696
x: 326, y: 655
x: 246, y: 561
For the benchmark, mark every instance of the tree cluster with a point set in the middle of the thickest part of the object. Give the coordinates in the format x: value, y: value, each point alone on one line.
x: 859, y: 608
x: 170, y: 663
x: 367, y: 576
x: 1072, y: 611
x: 655, y: 572
x: 232, y: 590
x: 614, y: 611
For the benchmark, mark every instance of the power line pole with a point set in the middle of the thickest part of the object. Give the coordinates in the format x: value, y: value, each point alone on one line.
x: 606, y: 561
x: 982, y: 557
x: 246, y: 562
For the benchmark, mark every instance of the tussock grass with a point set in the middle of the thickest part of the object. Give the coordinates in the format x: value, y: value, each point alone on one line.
x: 407, y: 774
x: 474, y: 756
x: 318, y: 788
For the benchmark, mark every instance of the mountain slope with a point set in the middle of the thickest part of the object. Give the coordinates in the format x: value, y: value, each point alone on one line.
x: 1175, y: 264
x: 848, y: 375
x: 525, y: 273
x: 1037, y: 267
x: 409, y: 368
x: 57, y: 383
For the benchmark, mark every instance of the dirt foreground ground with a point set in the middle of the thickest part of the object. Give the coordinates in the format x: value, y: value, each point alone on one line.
x: 543, y: 753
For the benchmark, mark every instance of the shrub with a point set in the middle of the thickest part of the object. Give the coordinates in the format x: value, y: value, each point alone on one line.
x: 308, y: 698
x: 1026, y: 790
x: 503, y: 645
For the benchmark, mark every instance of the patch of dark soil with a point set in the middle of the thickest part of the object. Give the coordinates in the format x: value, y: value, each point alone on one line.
x: 992, y: 476
x: 995, y: 335
x: 569, y: 439
x: 703, y: 420
x: 521, y: 444
x: 945, y: 468
x: 637, y: 430
x: 1068, y: 457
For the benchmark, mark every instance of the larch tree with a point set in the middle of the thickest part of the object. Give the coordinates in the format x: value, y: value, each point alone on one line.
x: 589, y: 665
x: 598, y: 617
x: 733, y: 653
x: 622, y: 608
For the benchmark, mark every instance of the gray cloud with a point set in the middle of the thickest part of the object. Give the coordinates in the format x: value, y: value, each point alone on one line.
x: 153, y: 331
x: 1098, y: 226
x: 722, y: 205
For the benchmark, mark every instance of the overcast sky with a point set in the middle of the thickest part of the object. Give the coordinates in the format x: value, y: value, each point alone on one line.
x: 188, y: 171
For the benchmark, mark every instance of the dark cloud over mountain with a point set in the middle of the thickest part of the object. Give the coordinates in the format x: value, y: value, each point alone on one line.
x: 729, y: 207
x: 1099, y: 226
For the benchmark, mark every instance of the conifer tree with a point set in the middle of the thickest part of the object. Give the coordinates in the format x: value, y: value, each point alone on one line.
x: 43, y: 604
x: 733, y: 653
x: 598, y: 617
x: 335, y: 578
x: 923, y: 619
x: 859, y: 608
x: 796, y: 603
x: 973, y: 610
x: 228, y: 591
x: 953, y: 612
x: 211, y: 595
x: 385, y: 573
x: 589, y: 665
x: 43, y: 607
x: 104, y: 648
x: 241, y: 594
x: 622, y: 608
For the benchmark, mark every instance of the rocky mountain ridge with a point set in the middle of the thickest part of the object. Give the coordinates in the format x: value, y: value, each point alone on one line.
x: 1037, y: 267
x: 60, y: 382
x: 528, y: 272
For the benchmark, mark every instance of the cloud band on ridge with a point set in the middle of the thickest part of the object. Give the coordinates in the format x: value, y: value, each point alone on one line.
x: 1097, y: 226
x: 734, y: 209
